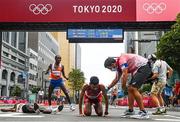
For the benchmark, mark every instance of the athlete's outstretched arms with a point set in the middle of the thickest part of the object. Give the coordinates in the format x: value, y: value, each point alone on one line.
x: 81, y: 99
x: 116, y: 79
x: 63, y: 73
x: 103, y: 89
x: 49, y: 68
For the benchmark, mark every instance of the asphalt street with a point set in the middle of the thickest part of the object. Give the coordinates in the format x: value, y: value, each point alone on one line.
x: 73, y: 116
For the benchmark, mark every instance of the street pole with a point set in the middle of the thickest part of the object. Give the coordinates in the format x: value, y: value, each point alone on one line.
x: 43, y: 83
x: 0, y: 46
x: 45, y: 91
x: 42, y: 79
x: 76, y: 54
x: 26, y: 73
x: 27, y: 86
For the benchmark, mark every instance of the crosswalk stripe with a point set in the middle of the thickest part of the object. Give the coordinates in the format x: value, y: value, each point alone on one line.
x: 167, y: 120
x: 173, y: 116
x: 19, y: 115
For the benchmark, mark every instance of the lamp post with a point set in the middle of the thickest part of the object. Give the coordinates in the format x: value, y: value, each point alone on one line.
x: 45, y: 91
x: 43, y: 79
x: 43, y: 83
x: 0, y: 46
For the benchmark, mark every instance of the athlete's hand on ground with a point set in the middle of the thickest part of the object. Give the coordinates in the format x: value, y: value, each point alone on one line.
x: 81, y: 115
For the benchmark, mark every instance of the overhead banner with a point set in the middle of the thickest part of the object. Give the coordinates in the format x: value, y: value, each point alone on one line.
x: 88, y: 10
x: 67, y: 10
x: 157, y: 10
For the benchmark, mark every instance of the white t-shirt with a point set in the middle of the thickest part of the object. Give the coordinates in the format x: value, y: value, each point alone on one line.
x: 161, y: 67
x: 19, y: 107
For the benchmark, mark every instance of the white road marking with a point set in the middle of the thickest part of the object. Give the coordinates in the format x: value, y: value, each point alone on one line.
x: 19, y: 115
x: 173, y: 116
x: 176, y: 118
x: 167, y: 120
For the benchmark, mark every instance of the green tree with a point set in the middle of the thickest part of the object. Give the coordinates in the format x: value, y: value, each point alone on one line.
x: 16, y: 91
x: 35, y: 89
x: 169, y: 47
x: 145, y: 88
x: 76, y: 79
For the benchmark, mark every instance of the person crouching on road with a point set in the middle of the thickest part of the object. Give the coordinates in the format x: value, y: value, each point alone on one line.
x: 140, y: 70
x: 92, y: 94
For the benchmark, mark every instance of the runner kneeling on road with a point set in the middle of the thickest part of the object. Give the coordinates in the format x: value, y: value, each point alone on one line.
x: 30, y: 108
x: 92, y: 94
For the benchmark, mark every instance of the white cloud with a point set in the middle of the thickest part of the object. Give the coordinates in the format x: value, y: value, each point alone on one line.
x: 93, y: 57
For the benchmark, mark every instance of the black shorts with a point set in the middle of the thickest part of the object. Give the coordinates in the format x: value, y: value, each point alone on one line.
x: 178, y: 97
x: 114, y: 97
x: 141, y: 75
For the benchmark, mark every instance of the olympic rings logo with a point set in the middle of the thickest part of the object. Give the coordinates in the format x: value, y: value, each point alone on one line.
x: 40, y: 9
x: 154, y: 8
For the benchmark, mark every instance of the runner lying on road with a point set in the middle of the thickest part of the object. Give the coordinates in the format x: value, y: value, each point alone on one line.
x: 31, y: 108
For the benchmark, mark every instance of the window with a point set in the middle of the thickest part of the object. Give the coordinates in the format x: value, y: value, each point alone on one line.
x: 6, y: 36
x: 22, y: 41
x: 30, y: 76
x: 13, y: 39
x: 31, y: 66
x: 13, y: 57
x: 20, y: 79
x: 21, y: 61
x: 12, y: 76
x: 4, y: 74
x: 5, y: 54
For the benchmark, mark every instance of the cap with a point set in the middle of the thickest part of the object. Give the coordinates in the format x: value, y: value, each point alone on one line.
x: 109, y: 61
x: 152, y: 57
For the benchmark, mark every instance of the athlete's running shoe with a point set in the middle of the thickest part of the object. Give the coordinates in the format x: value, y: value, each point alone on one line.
x: 72, y: 108
x: 163, y: 110
x: 158, y: 112
x: 128, y: 112
x: 141, y: 115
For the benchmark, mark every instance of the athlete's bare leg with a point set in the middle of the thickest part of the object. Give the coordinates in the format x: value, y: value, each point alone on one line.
x: 66, y: 93
x: 50, y: 91
x: 137, y: 97
x: 98, y: 109
x: 87, y: 109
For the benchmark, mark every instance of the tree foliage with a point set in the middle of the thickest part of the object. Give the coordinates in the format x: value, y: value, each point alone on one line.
x: 76, y: 78
x: 35, y: 89
x: 169, y: 47
x: 145, y: 88
x: 16, y: 91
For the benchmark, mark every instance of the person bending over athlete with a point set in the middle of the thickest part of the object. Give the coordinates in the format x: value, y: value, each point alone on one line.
x: 92, y: 94
x: 140, y: 70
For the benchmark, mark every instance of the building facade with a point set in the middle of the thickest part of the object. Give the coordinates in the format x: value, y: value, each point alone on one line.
x: 25, y: 56
x: 15, y: 61
x: 33, y: 64
x: 142, y: 42
x: 46, y: 47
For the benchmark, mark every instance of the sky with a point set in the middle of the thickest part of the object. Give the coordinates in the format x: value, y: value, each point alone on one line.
x: 93, y: 56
